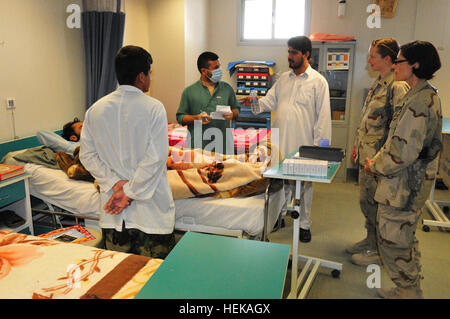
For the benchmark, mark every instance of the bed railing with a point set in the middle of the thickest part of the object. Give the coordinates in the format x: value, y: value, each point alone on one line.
x: 20, y: 144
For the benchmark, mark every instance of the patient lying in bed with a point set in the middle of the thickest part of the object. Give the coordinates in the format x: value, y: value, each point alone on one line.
x: 197, y: 173
x: 191, y: 172
x: 208, y: 213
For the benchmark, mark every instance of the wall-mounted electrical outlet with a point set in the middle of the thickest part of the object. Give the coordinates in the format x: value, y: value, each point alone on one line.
x: 10, y: 103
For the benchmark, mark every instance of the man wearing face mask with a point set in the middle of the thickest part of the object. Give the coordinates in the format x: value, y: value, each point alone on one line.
x: 200, y: 99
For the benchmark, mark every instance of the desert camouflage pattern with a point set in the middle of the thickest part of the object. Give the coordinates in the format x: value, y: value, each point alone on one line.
x: 134, y: 241
x: 397, y: 245
x: 376, y: 115
x: 371, y: 134
x: 369, y: 207
x: 414, y: 142
x: 444, y: 163
x: 406, y: 168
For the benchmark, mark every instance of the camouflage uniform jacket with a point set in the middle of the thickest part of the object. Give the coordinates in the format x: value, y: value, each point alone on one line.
x: 376, y: 115
x: 414, y: 135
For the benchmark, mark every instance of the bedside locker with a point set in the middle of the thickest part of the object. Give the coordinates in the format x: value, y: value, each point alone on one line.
x: 15, y: 196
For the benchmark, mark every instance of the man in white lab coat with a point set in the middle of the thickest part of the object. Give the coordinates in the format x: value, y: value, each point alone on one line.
x: 301, y: 100
x: 124, y: 146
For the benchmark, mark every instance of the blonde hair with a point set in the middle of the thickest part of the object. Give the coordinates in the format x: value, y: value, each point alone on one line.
x: 387, y: 47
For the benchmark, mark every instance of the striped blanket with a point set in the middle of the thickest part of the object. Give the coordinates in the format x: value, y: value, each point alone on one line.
x: 205, y: 173
x: 196, y: 172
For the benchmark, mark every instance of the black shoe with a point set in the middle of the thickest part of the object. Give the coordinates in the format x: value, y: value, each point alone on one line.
x: 277, y: 226
x: 305, y: 235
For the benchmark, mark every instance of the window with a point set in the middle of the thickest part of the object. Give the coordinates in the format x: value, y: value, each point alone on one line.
x: 273, y: 21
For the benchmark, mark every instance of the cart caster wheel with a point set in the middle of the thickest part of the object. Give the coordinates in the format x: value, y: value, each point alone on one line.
x: 335, y: 273
x: 295, y: 214
x: 426, y: 228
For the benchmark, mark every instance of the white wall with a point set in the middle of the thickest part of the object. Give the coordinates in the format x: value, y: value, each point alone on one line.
x: 41, y: 66
x: 137, y: 28
x: 433, y: 24
x: 167, y: 47
x: 42, y: 61
x: 175, y: 33
x: 196, y: 36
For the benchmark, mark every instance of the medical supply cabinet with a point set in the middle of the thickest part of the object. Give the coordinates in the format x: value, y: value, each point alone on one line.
x: 335, y: 61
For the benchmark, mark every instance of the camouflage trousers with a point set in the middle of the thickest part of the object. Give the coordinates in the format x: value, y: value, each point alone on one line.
x: 398, y: 246
x: 134, y: 241
x: 369, y: 207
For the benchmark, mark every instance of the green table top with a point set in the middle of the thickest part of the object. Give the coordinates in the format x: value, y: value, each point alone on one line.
x: 203, y: 266
x: 277, y: 172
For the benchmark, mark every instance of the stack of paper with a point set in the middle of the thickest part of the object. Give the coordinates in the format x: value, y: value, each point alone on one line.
x: 305, y: 167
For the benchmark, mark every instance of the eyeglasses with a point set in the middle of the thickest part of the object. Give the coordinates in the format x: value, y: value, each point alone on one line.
x: 397, y: 61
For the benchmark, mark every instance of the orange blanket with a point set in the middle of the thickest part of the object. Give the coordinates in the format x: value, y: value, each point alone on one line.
x: 318, y: 36
x: 36, y: 268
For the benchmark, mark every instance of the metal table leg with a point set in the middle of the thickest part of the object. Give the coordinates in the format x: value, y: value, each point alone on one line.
x: 297, y: 281
x: 440, y: 219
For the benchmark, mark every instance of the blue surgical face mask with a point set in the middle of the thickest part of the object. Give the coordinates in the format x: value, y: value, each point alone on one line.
x: 216, y: 75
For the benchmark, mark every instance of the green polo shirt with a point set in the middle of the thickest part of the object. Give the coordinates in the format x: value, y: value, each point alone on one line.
x: 196, y: 99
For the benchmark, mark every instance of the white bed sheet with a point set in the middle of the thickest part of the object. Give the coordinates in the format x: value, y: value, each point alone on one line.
x: 239, y: 213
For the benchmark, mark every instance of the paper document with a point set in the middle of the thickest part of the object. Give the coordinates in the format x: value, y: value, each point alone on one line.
x: 220, y: 111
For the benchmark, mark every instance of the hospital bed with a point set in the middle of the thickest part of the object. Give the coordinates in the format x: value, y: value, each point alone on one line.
x: 249, y: 217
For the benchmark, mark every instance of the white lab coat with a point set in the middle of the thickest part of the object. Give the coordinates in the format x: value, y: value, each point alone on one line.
x: 124, y: 137
x: 302, y: 105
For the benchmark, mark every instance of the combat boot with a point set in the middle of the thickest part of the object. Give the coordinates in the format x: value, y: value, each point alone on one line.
x: 359, y: 247
x: 366, y: 258
x: 368, y: 243
x: 401, y: 293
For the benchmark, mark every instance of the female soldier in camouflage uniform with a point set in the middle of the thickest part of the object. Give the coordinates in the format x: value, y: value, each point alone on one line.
x: 406, y: 168
x: 371, y: 134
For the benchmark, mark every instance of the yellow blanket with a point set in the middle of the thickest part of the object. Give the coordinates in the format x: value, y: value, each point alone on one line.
x: 217, y: 174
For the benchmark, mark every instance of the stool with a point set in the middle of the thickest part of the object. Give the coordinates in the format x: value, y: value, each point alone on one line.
x: 97, y: 242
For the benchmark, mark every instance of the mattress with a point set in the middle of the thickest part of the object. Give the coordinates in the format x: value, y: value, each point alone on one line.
x: 206, y: 214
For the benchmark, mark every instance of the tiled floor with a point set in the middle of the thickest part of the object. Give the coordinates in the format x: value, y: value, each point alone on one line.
x: 338, y: 222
